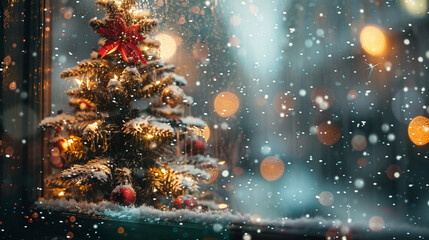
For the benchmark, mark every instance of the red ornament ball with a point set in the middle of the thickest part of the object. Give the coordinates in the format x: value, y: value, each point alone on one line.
x: 195, y: 147
x: 185, y: 202
x: 123, y: 195
x: 83, y: 105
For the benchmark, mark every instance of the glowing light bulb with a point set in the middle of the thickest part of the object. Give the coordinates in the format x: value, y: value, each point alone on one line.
x: 61, y: 194
x: 222, y: 206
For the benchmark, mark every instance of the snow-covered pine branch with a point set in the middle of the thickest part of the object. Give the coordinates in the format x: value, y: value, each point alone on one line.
x: 145, y: 126
x: 85, y: 67
x: 190, y: 170
x: 58, y: 121
x: 97, y: 169
x: 200, y: 161
x: 193, y: 121
x: 156, y: 86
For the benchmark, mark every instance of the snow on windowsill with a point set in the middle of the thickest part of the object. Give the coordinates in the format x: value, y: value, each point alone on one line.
x: 150, y: 214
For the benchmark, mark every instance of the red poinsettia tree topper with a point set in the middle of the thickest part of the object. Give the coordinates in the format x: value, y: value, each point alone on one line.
x: 122, y: 38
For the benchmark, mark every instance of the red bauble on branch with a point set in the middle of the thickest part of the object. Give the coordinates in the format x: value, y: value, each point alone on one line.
x: 122, y: 38
x: 185, y: 202
x: 195, y: 147
x: 123, y: 195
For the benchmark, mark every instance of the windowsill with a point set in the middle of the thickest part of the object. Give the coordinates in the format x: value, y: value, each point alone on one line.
x: 106, y: 220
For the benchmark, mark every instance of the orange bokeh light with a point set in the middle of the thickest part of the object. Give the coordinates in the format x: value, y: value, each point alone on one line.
x: 373, y: 40
x: 328, y: 133
x: 272, y: 168
x: 206, y: 133
x: 226, y: 104
x: 418, y: 130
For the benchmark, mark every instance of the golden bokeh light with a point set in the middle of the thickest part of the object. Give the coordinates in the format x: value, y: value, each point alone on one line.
x: 328, y: 133
x: 416, y: 8
x: 373, y: 40
x: 272, y: 168
x: 226, y: 104
x: 206, y: 133
x: 168, y: 46
x: 418, y: 130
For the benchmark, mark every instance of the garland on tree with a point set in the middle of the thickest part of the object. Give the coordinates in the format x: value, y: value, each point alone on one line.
x: 111, y: 150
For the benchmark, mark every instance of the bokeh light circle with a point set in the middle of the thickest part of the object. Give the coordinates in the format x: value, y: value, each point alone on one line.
x: 416, y: 8
x: 359, y: 183
x: 284, y: 104
x: 359, y: 142
x: 362, y: 162
x: 206, y: 133
x: 328, y: 133
x: 272, y: 168
x: 418, y: 130
x: 326, y: 199
x: 376, y: 223
x: 322, y: 98
x: 373, y: 40
x: 394, y: 172
x: 168, y: 46
x: 200, y: 51
x: 226, y: 104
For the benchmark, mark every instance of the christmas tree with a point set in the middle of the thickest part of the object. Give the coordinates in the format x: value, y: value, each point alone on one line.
x: 113, y: 148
